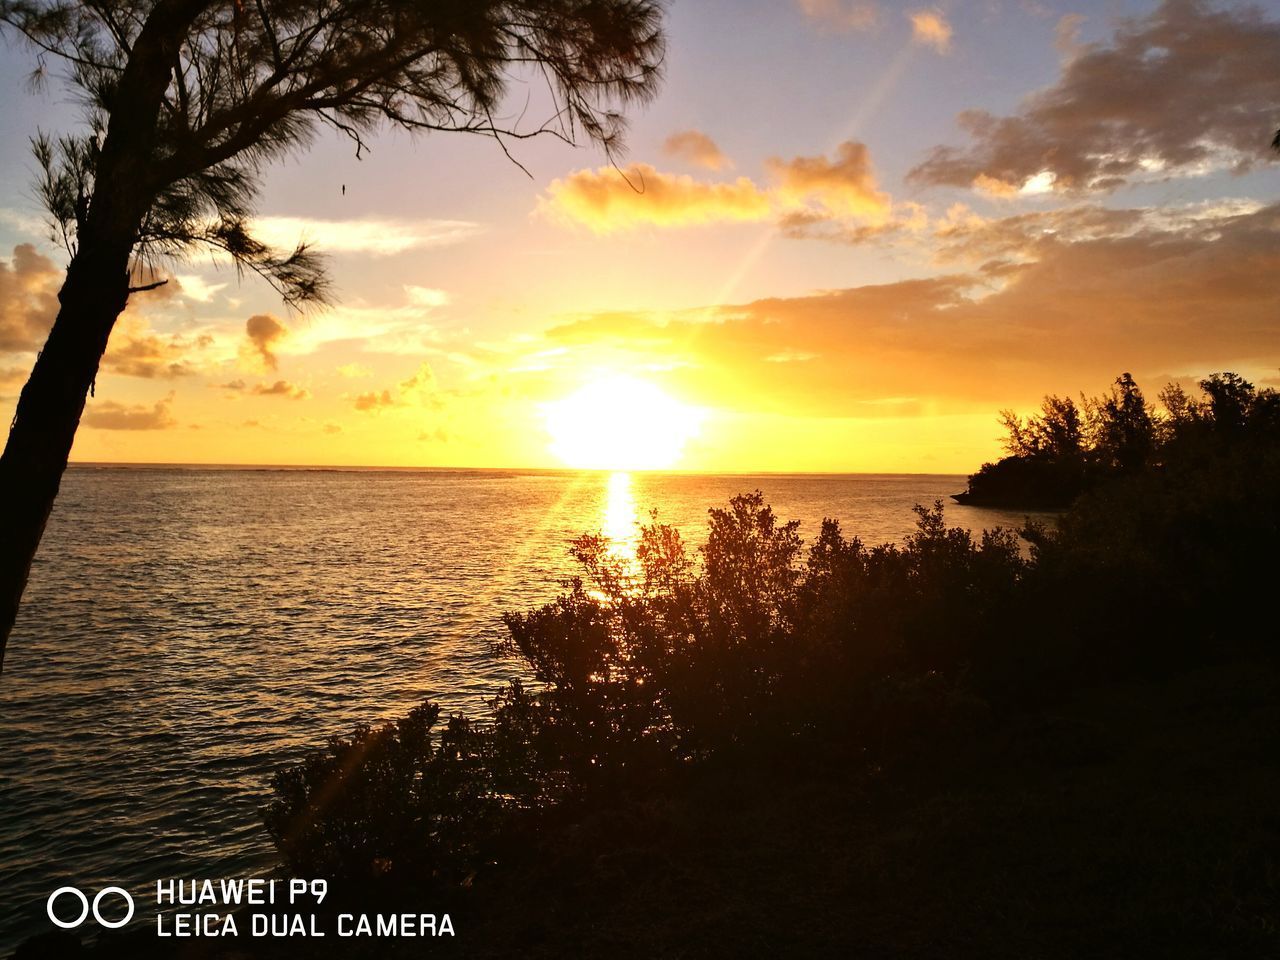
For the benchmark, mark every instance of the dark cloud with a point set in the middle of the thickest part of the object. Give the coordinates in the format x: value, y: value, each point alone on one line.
x: 1189, y: 88
x: 422, y: 388
x: 373, y: 400
x: 281, y: 388
x: 265, y: 332
x: 135, y: 351
x: 694, y: 146
x: 110, y: 415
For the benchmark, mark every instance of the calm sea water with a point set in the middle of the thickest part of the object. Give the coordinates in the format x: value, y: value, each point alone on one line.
x: 188, y: 631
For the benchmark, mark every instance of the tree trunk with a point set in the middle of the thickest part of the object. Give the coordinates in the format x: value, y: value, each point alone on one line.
x: 92, y: 297
x: 49, y: 409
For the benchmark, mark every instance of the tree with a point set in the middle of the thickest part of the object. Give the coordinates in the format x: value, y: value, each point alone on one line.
x: 186, y: 100
x: 1230, y: 401
x: 1125, y: 431
x: 1056, y: 433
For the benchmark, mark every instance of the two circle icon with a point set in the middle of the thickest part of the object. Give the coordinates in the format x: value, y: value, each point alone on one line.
x: 85, y: 907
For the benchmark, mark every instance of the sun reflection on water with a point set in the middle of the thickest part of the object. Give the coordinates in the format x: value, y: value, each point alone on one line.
x: 619, y: 523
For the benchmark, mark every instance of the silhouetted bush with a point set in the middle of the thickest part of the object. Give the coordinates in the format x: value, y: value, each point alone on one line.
x: 403, y: 799
x: 755, y: 648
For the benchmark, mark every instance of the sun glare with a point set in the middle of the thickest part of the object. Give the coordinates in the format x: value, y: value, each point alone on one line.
x: 619, y: 422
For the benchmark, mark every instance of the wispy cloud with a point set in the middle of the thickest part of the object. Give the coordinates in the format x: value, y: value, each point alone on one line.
x: 195, y: 287
x: 842, y: 14
x: 376, y: 237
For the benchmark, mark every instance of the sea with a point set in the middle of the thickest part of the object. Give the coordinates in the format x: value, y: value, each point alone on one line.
x: 188, y: 631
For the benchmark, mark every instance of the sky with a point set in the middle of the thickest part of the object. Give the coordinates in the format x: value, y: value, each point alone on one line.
x: 842, y: 238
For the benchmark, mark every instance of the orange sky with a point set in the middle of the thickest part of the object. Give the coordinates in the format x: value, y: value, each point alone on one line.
x: 842, y: 239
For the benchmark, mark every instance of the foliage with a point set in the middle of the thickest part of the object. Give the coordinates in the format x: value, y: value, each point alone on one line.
x: 403, y: 799
x: 1060, y: 453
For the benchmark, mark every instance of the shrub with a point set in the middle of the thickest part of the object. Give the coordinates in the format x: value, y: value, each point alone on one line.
x: 400, y: 799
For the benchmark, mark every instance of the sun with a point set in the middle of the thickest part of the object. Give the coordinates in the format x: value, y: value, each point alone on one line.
x: 619, y: 422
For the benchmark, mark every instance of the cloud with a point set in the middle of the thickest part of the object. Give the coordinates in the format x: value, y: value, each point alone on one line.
x: 804, y: 190
x: 426, y: 296
x: 403, y: 327
x: 1066, y: 35
x: 606, y: 200
x: 374, y: 401
x: 694, y: 146
x: 281, y: 388
x: 195, y: 287
x: 422, y: 387
x: 354, y: 371
x: 843, y: 188
x: 375, y: 237
x: 930, y: 27
x: 1067, y: 302
x: 111, y: 415
x: 1184, y: 91
x: 842, y: 14
x: 24, y: 223
x: 28, y: 299
x: 11, y: 381
x: 964, y: 236
x: 135, y: 350
x: 265, y: 333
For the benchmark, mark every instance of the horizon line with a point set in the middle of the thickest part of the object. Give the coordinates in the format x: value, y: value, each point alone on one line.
x: 189, y: 465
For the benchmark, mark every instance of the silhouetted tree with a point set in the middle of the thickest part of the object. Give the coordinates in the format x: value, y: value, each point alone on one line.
x: 186, y: 100
x: 1125, y: 431
x: 1230, y: 401
x: 1057, y: 432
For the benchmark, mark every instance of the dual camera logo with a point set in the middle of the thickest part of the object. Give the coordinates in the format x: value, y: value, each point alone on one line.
x: 85, y: 908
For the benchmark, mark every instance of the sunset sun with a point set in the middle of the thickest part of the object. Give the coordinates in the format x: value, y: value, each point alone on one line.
x: 619, y: 422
